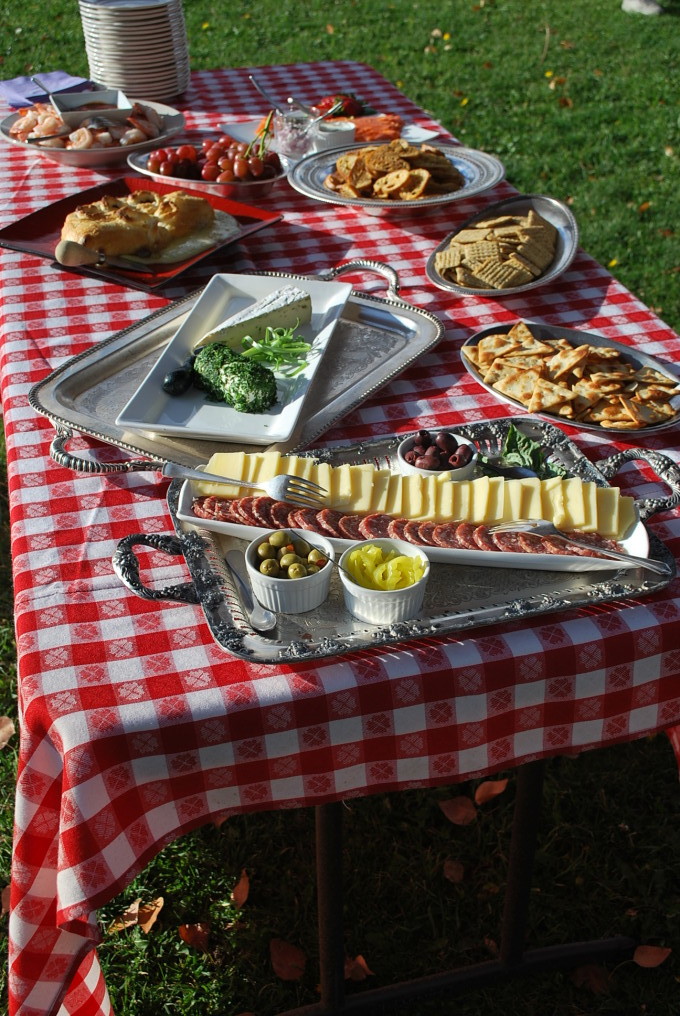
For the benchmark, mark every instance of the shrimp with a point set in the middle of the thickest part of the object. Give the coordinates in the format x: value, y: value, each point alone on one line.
x: 144, y: 126
x: 133, y: 136
x: 31, y: 120
x: 48, y: 125
x: 103, y: 139
x: 149, y: 115
x: 80, y: 139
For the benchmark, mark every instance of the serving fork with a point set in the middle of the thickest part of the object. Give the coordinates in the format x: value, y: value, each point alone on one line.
x: 284, y: 487
x: 542, y: 527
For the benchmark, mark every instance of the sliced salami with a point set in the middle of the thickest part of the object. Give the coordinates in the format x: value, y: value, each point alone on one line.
x: 328, y: 519
x: 213, y: 507
x: 349, y: 527
x: 531, y: 544
x: 243, y: 507
x: 280, y: 511
x: 375, y: 526
x: 304, y: 518
x: 396, y: 529
x: 262, y: 510
x: 554, y: 545
x: 508, y: 542
x: 444, y: 535
x: 412, y: 533
x: 425, y: 532
x: 482, y: 538
x: 465, y: 536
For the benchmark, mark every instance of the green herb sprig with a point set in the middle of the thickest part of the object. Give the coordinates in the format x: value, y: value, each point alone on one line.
x: 280, y: 349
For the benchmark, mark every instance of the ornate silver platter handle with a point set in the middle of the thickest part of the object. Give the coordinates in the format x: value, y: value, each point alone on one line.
x: 665, y: 468
x: 366, y: 264
x: 126, y: 567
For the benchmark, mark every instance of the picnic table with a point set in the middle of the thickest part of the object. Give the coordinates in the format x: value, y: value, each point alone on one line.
x: 136, y: 725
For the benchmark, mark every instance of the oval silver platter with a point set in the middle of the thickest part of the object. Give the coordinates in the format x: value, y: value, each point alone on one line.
x: 481, y: 171
x: 577, y: 337
x: 549, y: 208
x: 459, y: 598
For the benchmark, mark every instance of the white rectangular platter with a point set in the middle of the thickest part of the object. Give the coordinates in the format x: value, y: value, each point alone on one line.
x: 193, y: 415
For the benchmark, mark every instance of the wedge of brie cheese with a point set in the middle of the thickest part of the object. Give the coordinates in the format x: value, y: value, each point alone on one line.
x: 288, y: 307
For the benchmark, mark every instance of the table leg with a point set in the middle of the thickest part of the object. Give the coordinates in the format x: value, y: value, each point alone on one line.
x: 513, y: 960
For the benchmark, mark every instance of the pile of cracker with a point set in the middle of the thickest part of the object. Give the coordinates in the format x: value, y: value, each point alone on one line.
x: 397, y: 171
x: 499, y: 253
x: 582, y: 383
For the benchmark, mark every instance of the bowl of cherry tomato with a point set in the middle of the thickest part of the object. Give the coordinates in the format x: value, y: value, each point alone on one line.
x: 218, y: 164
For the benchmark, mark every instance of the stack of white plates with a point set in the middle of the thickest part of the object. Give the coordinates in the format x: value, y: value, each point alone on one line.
x: 138, y: 46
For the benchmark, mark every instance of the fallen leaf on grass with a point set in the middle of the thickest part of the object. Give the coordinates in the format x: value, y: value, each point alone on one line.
x: 459, y: 810
x: 287, y: 960
x: 143, y: 915
x: 5, y: 901
x: 239, y: 893
x: 126, y: 920
x: 453, y: 871
x: 488, y: 790
x: 650, y: 955
x: 6, y: 730
x: 195, y: 935
x: 148, y: 914
x: 593, y: 977
x: 357, y: 969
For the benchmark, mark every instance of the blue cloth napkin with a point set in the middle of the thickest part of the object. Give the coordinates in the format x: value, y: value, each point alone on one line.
x: 24, y: 92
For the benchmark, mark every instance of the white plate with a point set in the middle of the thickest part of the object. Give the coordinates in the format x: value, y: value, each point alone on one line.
x: 480, y: 170
x: 554, y: 211
x: 192, y: 415
x: 636, y: 544
x: 173, y: 122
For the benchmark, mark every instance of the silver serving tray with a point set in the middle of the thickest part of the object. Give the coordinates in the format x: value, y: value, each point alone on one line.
x: 549, y: 208
x: 375, y: 339
x: 577, y: 337
x: 459, y: 598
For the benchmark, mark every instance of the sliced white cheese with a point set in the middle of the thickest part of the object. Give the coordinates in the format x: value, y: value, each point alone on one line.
x: 288, y: 307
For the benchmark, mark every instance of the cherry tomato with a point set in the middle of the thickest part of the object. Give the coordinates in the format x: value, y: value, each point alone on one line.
x: 153, y: 164
x: 167, y: 168
x: 225, y: 162
x: 160, y: 154
x: 210, y: 171
x: 187, y: 152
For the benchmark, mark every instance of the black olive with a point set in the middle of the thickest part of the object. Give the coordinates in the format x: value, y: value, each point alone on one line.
x: 178, y: 381
x: 447, y: 442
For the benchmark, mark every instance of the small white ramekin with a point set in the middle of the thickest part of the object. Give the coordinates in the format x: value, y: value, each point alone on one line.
x: 461, y: 473
x: 291, y: 596
x: 385, y: 606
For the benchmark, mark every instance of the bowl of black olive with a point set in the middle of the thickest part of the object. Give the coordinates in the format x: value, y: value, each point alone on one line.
x: 428, y: 452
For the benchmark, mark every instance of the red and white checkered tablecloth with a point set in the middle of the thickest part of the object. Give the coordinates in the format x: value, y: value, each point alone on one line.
x: 135, y: 725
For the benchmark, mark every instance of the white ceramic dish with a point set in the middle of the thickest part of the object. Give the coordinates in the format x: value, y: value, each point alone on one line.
x: 637, y: 544
x: 74, y: 107
x: 549, y: 208
x: 480, y: 170
x: 458, y: 473
x: 191, y: 415
x: 380, y: 606
x: 91, y: 158
x: 291, y: 596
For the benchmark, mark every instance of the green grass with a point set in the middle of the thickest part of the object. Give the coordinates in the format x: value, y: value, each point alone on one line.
x: 579, y: 101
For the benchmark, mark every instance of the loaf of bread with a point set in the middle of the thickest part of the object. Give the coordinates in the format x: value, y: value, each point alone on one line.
x: 141, y: 223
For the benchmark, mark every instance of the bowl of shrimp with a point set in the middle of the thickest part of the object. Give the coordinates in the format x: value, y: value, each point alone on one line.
x: 99, y: 139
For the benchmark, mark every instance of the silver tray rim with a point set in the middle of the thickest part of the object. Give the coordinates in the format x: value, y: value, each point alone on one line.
x: 215, y: 591
x: 42, y: 396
